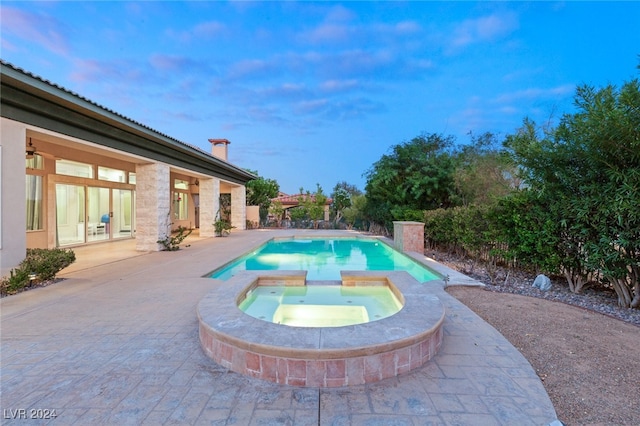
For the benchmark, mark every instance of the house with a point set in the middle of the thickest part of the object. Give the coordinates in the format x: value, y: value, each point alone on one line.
x: 74, y: 173
x: 291, y: 201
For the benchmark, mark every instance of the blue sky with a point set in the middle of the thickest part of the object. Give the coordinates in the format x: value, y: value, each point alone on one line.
x: 316, y: 92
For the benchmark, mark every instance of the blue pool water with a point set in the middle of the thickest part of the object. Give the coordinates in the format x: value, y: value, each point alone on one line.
x: 323, y: 259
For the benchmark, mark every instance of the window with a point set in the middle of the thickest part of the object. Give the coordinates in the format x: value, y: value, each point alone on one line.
x: 73, y: 168
x: 180, y: 184
x: 34, y: 202
x: 132, y: 178
x: 180, y: 206
x: 111, y: 175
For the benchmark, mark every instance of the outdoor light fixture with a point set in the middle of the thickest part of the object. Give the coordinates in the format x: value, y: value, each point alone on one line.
x: 31, y: 150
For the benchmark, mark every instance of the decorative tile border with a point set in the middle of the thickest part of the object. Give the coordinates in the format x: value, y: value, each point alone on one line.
x: 322, y: 357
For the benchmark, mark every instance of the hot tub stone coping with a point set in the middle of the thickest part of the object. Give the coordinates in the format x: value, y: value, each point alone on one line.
x: 421, y: 316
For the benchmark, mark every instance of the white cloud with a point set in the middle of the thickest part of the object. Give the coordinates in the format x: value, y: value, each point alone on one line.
x: 282, y: 91
x: 201, y: 31
x: 484, y: 29
x: 36, y: 27
x: 209, y: 29
x: 337, y: 85
x: 535, y: 93
x: 340, y: 13
x: 181, y: 64
x: 328, y: 33
x: 396, y: 29
x: 312, y: 106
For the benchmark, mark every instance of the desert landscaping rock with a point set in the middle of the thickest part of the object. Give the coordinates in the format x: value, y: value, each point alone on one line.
x: 583, y: 346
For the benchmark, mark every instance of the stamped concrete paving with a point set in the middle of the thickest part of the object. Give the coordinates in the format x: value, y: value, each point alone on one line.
x: 116, y: 343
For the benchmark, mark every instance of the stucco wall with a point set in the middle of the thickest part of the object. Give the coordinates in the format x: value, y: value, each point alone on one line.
x: 253, y: 215
x: 13, y: 242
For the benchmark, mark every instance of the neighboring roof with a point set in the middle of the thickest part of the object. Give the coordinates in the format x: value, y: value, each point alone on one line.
x: 292, y: 200
x: 31, y: 99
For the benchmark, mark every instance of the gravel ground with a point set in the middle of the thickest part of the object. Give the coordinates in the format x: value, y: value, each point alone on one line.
x: 584, y: 348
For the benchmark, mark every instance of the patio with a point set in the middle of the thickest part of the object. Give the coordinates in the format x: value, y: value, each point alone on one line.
x: 117, y: 343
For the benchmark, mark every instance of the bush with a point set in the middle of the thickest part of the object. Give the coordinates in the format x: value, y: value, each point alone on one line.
x: 39, y: 265
x: 16, y: 281
x: 46, y: 263
x: 172, y: 242
x: 222, y: 228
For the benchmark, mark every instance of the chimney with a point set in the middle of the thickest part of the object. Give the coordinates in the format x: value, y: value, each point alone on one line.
x: 219, y: 148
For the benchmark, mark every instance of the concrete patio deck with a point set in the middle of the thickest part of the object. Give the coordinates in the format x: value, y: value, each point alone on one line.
x: 117, y: 343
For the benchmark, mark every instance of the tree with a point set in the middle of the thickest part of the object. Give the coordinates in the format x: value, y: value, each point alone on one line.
x: 541, y: 165
x: 276, y: 210
x: 603, y: 139
x: 260, y: 192
x: 483, y: 171
x: 590, y: 168
x: 341, y: 198
x: 313, y: 204
x: 417, y: 175
x: 354, y: 213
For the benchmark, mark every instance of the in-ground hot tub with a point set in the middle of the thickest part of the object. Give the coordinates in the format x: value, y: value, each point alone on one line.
x: 321, y: 356
x: 320, y: 304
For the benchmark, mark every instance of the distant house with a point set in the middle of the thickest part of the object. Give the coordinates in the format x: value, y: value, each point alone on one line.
x: 291, y: 201
x: 75, y: 173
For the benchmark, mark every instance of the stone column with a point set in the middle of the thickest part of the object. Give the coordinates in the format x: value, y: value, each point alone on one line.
x: 409, y: 236
x: 209, y: 205
x: 239, y: 207
x: 153, y: 205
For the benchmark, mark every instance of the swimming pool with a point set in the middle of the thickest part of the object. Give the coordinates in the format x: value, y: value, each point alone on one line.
x: 323, y: 259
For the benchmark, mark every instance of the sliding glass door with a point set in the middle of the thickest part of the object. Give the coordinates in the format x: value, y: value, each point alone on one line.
x: 98, y: 212
x: 70, y: 214
x: 122, y: 220
x: 89, y: 214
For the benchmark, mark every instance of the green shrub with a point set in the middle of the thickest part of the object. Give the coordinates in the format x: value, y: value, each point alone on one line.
x: 39, y: 265
x: 222, y: 228
x: 172, y: 242
x: 46, y: 263
x: 16, y: 281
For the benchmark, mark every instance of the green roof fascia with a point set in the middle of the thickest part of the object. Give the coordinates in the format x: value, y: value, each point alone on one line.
x: 31, y: 100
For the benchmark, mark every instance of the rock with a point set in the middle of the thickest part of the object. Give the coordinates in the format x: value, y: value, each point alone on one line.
x: 542, y: 282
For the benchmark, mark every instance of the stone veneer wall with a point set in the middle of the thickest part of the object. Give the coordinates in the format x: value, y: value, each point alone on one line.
x: 409, y: 236
x: 239, y: 207
x: 153, y: 205
x: 209, y: 205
